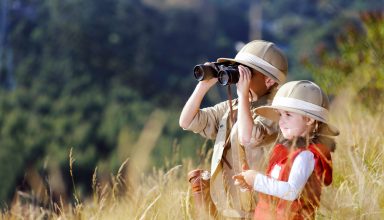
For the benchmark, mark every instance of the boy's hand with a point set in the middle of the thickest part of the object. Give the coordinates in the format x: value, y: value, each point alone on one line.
x: 208, y: 83
x: 245, y: 76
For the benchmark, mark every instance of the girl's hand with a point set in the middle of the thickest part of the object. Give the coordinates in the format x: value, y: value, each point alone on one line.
x: 245, y: 179
x: 249, y: 176
x: 245, y: 76
x: 240, y: 181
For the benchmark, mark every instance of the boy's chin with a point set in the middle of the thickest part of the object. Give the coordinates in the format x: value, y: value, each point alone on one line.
x: 288, y: 137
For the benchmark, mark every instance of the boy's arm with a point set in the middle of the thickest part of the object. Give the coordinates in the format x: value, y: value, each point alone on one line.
x: 192, y: 106
x: 244, y: 117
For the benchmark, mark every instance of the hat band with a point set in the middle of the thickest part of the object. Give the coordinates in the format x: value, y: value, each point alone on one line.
x: 257, y: 61
x: 301, y: 105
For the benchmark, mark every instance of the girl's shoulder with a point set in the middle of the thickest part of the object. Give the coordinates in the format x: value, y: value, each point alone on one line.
x: 320, y: 150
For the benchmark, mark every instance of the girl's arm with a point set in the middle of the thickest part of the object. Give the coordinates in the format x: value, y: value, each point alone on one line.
x: 301, y: 170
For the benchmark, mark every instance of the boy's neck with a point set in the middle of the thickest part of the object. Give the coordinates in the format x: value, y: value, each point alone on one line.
x: 256, y: 95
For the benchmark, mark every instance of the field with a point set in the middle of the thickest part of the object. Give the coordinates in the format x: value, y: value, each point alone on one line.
x: 163, y: 193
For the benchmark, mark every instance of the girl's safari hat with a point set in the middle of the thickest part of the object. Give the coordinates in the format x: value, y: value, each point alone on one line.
x: 303, y: 97
x: 264, y: 57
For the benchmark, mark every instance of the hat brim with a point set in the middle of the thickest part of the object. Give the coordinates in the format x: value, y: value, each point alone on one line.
x: 258, y: 67
x: 271, y: 113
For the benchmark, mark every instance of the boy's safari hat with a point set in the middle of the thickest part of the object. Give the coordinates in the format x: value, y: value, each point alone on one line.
x: 303, y: 97
x: 264, y: 57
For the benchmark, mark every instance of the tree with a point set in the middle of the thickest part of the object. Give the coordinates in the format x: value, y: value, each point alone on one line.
x: 357, y: 64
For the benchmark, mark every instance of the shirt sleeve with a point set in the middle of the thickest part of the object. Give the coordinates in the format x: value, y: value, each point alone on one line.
x: 301, y: 170
x: 261, y: 128
x: 206, y: 121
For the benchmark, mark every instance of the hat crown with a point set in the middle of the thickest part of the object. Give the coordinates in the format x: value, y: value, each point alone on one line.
x: 263, y: 57
x: 268, y: 52
x: 306, y: 91
x: 303, y: 97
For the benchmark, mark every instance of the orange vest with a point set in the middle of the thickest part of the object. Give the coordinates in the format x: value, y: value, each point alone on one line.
x: 304, y: 207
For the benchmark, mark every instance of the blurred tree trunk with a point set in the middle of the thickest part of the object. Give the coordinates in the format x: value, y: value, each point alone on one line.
x: 255, y: 20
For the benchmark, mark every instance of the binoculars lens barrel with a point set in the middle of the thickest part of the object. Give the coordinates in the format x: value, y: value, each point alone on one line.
x: 198, y: 72
x: 204, y: 72
x: 226, y: 74
x: 229, y: 76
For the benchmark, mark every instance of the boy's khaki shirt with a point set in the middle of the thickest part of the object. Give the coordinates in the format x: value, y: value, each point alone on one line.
x: 229, y: 156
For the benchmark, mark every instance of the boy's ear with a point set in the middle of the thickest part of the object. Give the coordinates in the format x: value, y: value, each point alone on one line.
x: 269, y: 82
x: 310, y: 121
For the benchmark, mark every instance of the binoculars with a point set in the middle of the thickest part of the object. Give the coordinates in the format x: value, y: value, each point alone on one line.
x: 225, y: 73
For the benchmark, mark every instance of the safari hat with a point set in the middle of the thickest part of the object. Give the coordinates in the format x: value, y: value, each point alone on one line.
x: 303, y: 97
x: 264, y: 57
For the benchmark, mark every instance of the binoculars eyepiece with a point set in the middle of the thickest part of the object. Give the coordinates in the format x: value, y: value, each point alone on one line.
x: 225, y: 73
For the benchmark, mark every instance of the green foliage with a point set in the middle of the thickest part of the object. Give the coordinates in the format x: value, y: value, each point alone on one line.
x: 358, y: 64
x: 87, y: 71
x: 299, y: 27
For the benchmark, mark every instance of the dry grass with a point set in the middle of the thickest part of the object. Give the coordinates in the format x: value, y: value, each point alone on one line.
x: 356, y: 193
x: 358, y: 187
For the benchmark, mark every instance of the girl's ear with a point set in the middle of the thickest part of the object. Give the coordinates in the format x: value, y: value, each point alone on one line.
x: 269, y: 82
x: 310, y: 121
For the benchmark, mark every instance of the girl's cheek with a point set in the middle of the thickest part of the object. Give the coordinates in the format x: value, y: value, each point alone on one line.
x: 282, y: 121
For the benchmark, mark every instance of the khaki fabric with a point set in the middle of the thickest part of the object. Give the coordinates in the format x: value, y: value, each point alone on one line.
x: 303, y: 97
x: 215, y: 123
x: 264, y: 57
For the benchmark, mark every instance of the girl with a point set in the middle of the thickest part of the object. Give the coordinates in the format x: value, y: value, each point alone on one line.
x: 300, y: 164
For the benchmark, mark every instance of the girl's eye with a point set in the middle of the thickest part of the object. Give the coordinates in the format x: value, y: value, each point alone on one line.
x: 287, y: 114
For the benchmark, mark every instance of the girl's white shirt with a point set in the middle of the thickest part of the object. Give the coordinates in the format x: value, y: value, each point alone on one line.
x: 301, y: 170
